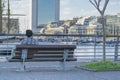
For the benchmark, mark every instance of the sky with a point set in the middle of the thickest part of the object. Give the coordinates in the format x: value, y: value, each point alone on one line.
x: 68, y: 9
x: 77, y: 8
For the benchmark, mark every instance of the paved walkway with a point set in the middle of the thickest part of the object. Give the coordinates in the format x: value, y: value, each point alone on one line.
x: 8, y: 71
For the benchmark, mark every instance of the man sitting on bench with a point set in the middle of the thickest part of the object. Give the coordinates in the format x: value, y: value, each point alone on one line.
x: 27, y: 41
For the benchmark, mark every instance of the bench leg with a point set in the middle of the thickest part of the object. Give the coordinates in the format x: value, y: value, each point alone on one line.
x: 65, y: 56
x: 62, y: 65
x: 23, y: 68
x: 24, y: 57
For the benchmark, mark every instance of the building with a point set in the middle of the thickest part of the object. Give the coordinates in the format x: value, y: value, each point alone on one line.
x: 118, y: 15
x: 44, y: 11
x: 14, y: 25
x: 111, y: 19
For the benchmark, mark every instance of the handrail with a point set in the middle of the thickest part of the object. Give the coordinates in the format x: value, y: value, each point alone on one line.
x: 79, y: 35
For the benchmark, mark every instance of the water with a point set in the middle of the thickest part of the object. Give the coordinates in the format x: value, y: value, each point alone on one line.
x: 94, y: 53
x: 89, y: 50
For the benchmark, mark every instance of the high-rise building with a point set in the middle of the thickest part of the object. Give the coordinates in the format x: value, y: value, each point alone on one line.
x: 44, y: 11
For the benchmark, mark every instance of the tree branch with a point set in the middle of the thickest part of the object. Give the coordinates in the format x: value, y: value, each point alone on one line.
x: 98, y: 5
x: 93, y: 4
x: 105, y: 5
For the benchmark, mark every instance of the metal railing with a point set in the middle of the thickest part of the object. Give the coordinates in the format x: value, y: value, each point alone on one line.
x: 89, y: 47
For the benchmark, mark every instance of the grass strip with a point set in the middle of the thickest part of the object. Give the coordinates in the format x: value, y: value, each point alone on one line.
x: 102, y: 66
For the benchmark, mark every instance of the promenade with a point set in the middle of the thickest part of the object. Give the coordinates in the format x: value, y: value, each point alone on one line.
x: 50, y: 71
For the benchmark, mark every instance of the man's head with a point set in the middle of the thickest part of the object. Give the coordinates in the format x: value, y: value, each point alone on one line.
x: 29, y: 33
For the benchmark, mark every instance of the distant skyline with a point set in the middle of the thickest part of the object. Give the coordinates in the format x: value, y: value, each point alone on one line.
x: 68, y: 9
x: 71, y: 8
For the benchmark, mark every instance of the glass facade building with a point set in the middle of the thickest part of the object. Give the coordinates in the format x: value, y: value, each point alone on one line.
x: 44, y: 11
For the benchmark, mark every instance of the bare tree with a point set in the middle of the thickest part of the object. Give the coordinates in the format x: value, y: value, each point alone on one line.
x: 2, y: 5
x: 8, y: 17
x: 97, y: 4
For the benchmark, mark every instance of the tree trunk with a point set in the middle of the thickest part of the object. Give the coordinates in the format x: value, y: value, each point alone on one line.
x: 8, y: 17
x: 104, y: 38
x: 0, y: 16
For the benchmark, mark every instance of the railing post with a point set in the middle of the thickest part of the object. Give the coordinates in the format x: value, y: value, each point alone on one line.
x: 95, y: 48
x: 116, y: 49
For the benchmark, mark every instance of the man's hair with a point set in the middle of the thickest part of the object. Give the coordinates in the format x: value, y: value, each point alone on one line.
x: 29, y: 33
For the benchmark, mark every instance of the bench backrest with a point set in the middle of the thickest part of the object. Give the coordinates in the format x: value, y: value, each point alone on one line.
x: 46, y: 52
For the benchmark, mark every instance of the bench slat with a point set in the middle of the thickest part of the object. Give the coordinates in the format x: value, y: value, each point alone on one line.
x: 44, y: 53
x: 42, y: 59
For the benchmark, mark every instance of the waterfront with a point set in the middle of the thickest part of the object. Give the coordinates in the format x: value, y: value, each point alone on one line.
x: 85, y: 52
